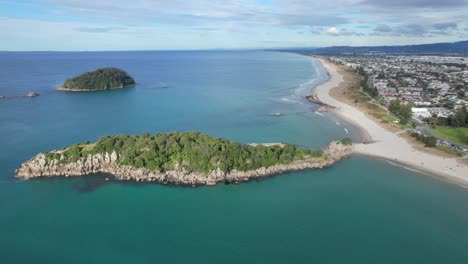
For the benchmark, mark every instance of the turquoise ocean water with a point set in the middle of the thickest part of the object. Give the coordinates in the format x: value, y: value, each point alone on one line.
x: 359, y: 211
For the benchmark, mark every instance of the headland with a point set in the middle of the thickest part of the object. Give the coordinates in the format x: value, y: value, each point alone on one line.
x: 185, y: 158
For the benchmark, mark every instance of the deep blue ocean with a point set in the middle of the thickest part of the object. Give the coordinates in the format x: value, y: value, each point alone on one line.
x: 360, y: 211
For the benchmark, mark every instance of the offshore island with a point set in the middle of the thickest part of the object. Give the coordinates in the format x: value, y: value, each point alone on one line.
x: 98, y: 80
x: 186, y: 158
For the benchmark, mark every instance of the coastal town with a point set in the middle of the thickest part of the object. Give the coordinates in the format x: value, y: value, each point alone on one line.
x: 433, y: 88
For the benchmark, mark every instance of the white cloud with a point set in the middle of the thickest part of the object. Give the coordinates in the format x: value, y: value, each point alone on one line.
x: 233, y: 23
x: 333, y: 31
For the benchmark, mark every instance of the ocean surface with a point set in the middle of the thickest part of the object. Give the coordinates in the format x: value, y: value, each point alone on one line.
x: 360, y: 211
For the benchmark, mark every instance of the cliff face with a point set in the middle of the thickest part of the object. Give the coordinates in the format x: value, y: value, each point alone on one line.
x: 40, y: 166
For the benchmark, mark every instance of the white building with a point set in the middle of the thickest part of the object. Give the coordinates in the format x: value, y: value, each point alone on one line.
x: 422, y: 103
x: 420, y: 112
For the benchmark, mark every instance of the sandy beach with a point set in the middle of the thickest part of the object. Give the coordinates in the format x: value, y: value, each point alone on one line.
x: 384, y: 143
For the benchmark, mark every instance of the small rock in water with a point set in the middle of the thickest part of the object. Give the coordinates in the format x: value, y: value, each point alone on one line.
x: 2, y: 97
x: 32, y: 94
x: 107, y: 178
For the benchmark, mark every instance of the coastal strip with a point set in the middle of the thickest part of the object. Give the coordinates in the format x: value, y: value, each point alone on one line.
x: 381, y: 143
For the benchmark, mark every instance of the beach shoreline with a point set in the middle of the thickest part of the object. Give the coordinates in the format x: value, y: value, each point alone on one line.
x: 381, y: 143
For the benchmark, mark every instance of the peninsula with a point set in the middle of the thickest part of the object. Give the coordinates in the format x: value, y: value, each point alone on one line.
x: 98, y: 80
x: 187, y: 158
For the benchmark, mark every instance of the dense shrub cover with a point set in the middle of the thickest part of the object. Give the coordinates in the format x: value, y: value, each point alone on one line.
x: 100, y: 79
x: 371, y: 90
x: 428, y: 141
x: 346, y: 141
x: 401, y: 111
x: 192, y: 151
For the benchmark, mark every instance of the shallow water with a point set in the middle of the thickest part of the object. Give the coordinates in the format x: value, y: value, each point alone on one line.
x: 359, y: 211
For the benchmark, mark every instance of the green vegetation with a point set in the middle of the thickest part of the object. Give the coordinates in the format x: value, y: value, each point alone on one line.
x: 372, y: 91
x: 451, y: 151
x: 459, y: 119
x: 430, y: 142
x: 100, y: 79
x: 401, y: 111
x: 346, y: 141
x: 374, y: 109
x: 191, y: 151
x: 389, y: 118
x: 457, y: 135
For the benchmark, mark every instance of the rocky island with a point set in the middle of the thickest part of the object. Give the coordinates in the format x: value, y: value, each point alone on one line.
x: 188, y: 158
x: 100, y: 79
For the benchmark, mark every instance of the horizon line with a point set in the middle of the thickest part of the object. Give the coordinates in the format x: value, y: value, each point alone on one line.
x: 237, y: 49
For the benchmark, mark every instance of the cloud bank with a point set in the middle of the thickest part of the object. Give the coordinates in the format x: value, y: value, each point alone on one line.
x: 177, y: 24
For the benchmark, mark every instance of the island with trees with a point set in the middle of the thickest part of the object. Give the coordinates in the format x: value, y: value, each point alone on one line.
x: 188, y: 158
x: 100, y: 79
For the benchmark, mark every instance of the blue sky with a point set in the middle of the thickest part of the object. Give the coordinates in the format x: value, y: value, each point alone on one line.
x: 210, y: 24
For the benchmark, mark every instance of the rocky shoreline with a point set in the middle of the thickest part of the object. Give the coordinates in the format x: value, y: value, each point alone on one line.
x: 61, y: 88
x: 29, y: 94
x: 323, y: 106
x: 40, y: 166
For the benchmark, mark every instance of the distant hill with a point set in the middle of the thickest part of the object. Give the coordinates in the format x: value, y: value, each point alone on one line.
x: 436, y: 48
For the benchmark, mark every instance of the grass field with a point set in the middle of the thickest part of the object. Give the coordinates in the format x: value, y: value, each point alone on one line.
x: 451, y: 151
x: 457, y: 135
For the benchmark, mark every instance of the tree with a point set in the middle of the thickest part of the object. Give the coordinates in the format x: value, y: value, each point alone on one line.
x: 401, y: 111
x: 430, y: 142
x: 190, y: 151
x: 405, y: 111
x: 103, y: 78
x: 394, y: 106
x: 460, y: 118
x: 372, y: 91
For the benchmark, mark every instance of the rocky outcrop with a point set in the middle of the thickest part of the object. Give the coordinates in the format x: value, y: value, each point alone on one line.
x: 323, y: 106
x: 32, y: 94
x: 40, y: 166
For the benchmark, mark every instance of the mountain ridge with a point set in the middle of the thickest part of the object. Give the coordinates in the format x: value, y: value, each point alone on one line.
x: 459, y: 47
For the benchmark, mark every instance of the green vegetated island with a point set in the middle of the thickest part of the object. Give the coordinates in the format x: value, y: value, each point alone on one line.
x: 189, y: 158
x: 100, y: 79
